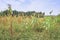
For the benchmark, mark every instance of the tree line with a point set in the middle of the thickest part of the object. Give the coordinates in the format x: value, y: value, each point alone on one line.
x: 21, y: 13
x: 16, y: 13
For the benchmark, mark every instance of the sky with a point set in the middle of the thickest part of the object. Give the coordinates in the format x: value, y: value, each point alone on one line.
x: 32, y: 5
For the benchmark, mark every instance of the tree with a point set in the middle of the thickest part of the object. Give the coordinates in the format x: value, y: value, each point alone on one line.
x: 50, y: 12
x: 58, y: 15
x: 15, y: 12
x: 10, y: 9
x: 5, y: 12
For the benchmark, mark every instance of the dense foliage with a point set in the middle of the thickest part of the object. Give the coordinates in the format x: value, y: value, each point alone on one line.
x: 20, y: 13
x: 26, y: 28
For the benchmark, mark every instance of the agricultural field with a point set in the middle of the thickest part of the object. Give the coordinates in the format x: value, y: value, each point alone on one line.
x: 29, y: 28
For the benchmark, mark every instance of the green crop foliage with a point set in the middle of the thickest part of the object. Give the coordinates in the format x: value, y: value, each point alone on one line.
x: 31, y: 28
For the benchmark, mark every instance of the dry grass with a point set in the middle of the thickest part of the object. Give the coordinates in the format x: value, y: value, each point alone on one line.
x: 17, y: 28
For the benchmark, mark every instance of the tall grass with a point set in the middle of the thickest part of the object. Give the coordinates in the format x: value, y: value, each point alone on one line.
x: 29, y: 28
